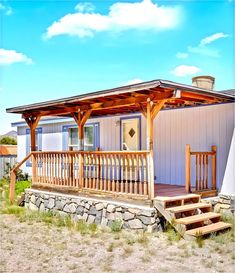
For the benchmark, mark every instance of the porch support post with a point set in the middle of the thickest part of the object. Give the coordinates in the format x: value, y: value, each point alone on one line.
x: 150, y: 148
x: 151, y: 112
x: 33, y: 123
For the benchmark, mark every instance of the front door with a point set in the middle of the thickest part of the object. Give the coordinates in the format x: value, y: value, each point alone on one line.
x: 130, y: 134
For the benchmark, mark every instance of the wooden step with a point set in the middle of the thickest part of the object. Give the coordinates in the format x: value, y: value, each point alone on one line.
x: 197, y: 218
x: 189, y: 207
x: 177, y: 198
x: 207, y: 229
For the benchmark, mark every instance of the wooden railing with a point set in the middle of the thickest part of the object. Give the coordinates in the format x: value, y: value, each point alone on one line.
x: 119, y: 172
x: 204, y: 170
x: 116, y: 172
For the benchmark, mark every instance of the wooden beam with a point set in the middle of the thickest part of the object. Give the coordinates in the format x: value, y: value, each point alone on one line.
x: 156, y: 108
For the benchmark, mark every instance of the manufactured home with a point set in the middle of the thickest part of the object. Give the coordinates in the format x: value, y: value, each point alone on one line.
x: 157, y: 139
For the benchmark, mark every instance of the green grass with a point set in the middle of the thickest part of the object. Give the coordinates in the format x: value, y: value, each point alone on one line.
x: 21, y: 186
x: 228, y: 235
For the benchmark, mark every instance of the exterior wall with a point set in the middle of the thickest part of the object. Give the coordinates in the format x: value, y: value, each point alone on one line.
x: 201, y: 127
x: 101, y: 212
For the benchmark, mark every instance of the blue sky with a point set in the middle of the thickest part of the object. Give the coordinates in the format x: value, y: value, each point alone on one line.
x: 53, y: 49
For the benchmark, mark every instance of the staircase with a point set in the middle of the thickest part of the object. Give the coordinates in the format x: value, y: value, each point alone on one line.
x: 189, y: 216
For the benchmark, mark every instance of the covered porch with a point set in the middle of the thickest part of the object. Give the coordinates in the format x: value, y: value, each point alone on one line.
x: 126, y: 174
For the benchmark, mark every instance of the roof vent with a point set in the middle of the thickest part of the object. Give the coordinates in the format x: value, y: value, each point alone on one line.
x: 204, y: 82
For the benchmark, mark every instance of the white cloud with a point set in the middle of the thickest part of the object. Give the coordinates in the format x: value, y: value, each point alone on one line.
x: 6, y: 9
x: 203, y: 47
x: 212, y: 38
x: 143, y: 15
x: 181, y: 55
x: 8, y: 57
x: 185, y: 70
x: 133, y: 81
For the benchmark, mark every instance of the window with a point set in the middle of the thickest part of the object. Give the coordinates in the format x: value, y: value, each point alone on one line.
x: 91, y: 137
x: 130, y: 134
x: 38, y: 137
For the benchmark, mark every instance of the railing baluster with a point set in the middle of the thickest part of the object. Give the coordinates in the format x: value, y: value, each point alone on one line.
x: 131, y: 172
x: 140, y: 164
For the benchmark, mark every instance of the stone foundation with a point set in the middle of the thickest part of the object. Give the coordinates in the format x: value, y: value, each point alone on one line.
x: 225, y: 204
x: 101, y: 212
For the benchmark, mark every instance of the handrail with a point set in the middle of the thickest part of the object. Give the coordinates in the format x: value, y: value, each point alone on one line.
x: 90, y: 152
x: 201, y: 169
x: 13, y: 177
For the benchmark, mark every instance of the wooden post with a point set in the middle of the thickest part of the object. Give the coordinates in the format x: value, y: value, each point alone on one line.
x: 187, y: 169
x: 149, y: 145
x: 32, y: 122
x: 81, y: 137
x: 151, y: 112
x: 213, y: 168
x: 12, y: 187
x: 81, y: 118
x: 81, y: 170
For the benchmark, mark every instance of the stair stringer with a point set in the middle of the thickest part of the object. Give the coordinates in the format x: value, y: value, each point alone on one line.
x: 170, y: 218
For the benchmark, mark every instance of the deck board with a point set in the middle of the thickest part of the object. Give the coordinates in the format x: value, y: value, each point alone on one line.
x: 169, y: 190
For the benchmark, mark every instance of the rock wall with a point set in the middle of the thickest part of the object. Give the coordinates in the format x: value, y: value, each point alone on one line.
x: 225, y: 204
x: 101, y: 212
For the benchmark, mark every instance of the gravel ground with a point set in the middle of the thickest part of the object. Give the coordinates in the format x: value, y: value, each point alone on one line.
x: 31, y: 247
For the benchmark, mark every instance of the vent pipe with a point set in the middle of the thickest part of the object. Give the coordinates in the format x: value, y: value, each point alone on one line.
x: 204, y: 82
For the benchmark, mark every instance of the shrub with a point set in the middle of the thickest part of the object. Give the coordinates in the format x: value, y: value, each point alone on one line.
x: 8, y: 141
x: 116, y: 225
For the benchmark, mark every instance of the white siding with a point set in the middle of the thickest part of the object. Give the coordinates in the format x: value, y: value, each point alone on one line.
x: 201, y: 127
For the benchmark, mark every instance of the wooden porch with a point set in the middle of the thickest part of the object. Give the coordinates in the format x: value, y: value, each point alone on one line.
x: 122, y: 173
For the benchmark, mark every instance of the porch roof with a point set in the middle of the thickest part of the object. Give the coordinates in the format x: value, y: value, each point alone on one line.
x: 125, y: 99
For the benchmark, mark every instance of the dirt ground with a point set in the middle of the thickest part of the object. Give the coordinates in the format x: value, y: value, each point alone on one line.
x: 31, y: 247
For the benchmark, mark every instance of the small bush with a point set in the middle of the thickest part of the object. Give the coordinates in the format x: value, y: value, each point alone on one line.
x: 7, y: 140
x: 116, y: 225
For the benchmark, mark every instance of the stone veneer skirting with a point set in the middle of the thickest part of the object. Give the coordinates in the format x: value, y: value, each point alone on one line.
x: 225, y: 204
x: 91, y: 210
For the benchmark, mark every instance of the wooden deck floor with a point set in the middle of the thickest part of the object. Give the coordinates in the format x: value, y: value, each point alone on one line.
x: 168, y: 190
